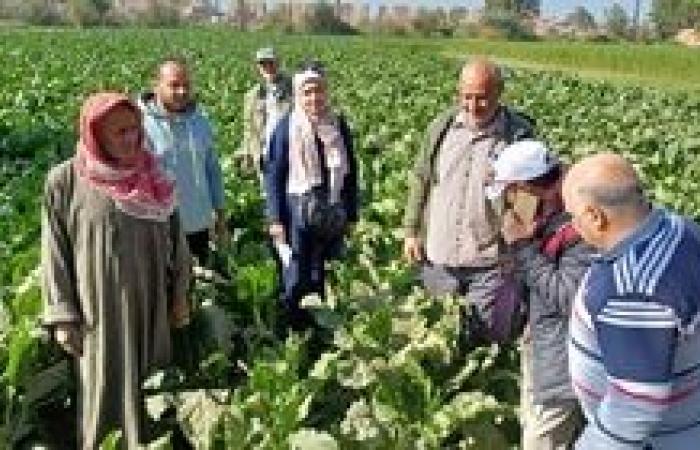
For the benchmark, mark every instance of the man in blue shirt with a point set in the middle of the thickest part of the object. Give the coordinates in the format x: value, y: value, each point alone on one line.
x: 634, y: 347
x: 180, y: 135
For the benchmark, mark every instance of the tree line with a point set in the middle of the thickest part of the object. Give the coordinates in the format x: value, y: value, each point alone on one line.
x: 508, y: 19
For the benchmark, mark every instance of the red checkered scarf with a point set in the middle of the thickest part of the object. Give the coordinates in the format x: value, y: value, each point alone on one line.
x: 139, y: 189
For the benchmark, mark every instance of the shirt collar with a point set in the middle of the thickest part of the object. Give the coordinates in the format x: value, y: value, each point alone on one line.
x: 460, y: 119
x: 494, y: 128
x: 179, y: 116
x: 643, y: 231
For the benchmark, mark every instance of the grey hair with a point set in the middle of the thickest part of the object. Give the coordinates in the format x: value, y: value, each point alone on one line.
x: 494, y: 70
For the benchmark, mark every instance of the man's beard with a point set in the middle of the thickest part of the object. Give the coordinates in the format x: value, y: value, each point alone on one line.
x: 178, y: 106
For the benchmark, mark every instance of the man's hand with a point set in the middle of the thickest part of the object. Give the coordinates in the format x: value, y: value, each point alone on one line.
x: 514, y: 229
x: 180, y: 313
x: 350, y: 228
x: 248, y: 162
x: 413, y: 249
x: 70, y: 338
x: 277, y: 233
x: 220, y: 226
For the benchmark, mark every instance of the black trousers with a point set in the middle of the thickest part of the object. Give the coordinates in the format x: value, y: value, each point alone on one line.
x: 198, y: 242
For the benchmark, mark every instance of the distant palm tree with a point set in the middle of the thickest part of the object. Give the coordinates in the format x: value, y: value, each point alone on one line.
x: 242, y: 14
x: 636, y: 18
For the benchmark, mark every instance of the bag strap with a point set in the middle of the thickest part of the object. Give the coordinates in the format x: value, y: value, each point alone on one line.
x: 437, y: 143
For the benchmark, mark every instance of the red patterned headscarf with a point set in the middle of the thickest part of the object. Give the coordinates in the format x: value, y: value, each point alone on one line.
x: 139, y: 189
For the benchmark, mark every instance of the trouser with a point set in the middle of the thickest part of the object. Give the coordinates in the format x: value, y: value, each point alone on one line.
x: 493, y: 298
x: 305, y: 272
x: 554, y: 425
x: 198, y: 243
x: 302, y: 276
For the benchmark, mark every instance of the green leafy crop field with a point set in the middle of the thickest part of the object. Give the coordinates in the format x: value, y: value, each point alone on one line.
x: 388, y: 371
x: 661, y: 65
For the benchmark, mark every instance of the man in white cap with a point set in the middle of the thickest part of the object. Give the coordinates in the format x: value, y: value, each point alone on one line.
x: 264, y: 105
x: 552, y: 260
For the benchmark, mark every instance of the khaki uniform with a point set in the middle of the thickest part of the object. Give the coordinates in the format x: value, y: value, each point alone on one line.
x: 261, y: 104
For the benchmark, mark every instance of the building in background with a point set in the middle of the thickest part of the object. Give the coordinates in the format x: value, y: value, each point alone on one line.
x: 249, y: 14
x: 130, y: 7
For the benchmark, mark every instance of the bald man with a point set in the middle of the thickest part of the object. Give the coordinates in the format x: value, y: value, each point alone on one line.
x: 634, y: 349
x: 181, y: 137
x: 451, y: 228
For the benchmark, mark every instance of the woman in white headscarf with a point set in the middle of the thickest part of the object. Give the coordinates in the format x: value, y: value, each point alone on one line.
x: 311, y: 186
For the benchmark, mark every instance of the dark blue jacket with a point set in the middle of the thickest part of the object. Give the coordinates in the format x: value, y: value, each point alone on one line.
x: 276, y: 172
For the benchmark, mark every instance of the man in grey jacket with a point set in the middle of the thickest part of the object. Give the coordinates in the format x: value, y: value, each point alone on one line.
x: 450, y: 227
x: 552, y: 260
x: 263, y: 106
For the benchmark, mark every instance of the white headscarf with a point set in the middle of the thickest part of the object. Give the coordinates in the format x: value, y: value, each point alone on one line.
x: 305, y: 170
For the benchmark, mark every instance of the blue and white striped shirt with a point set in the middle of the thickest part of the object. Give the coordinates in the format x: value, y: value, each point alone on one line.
x: 634, y: 350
